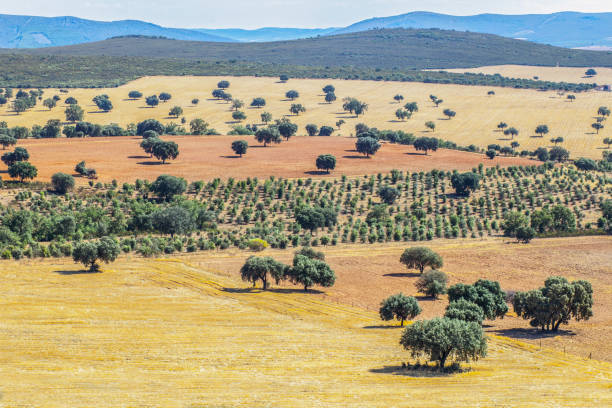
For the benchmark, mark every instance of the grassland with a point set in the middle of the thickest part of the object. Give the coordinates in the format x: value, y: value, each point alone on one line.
x: 171, y: 333
x: 555, y: 74
x: 476, y: 120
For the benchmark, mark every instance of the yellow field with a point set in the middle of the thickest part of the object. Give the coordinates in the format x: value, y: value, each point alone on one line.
x: 476, y: 120
x: 164, y: 333
x: 556, y: 74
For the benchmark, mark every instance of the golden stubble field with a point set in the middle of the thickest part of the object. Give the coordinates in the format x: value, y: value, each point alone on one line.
x: 557, y: 74
x: 177, y: 333
x: 475, y: 123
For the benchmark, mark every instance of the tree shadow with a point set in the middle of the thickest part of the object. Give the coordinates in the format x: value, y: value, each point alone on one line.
x: 138, y: 157
x: 151, y: 163
x: 396, y: 121
x: 409, y: 371
x: 531, y: 333
x: 316, y: 172
x: 99, y: 111
x: 295, y: 290
x: 77, y: 272
x: 403, y: 274
x: 355, y: 157
x: 385, y: 326
x: 425, y: 298
x: 230, y: 157
x: 242, y: 290
x: 416, y: 154
x: 147, y: 107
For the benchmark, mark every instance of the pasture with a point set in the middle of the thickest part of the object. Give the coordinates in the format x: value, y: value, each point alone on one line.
x: 556, y: 74
x: 475, y: 123
x: 178, y: 333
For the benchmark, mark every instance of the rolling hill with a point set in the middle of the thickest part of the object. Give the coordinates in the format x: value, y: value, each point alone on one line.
x: 565, y: 29
x: 382, y: 49
x: 34, y: 32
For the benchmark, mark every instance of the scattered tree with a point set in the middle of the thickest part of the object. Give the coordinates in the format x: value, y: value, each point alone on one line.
x: 425, y: 144
x: 312, y: 129
x: 165, y: 97
x: 432, y: 283
x: 268, y: 135
x: 292, y: 94
x: 388, y: 194
x: 465, y: 183
x: 166, y: 186
x: 399, y: 307
x: 258, y: 268
x: 88, y: 252
x: 176, y: 111
x: 152, y: 101
x: 62, y: 182
x: 326, y: 162
x: 556, y: 303
x: 449, y: 113
x: 441, y: 338
x: 240, y: 147
x: 430, y: 125
x: 23, y: 171
x: 367, y: 146
x: 485, y: 293
x: 74, y: 113
x: 420, y: 258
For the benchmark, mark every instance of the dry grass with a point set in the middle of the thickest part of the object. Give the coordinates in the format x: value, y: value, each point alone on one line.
x: 556, y: 74
x: 476, y: 120
x: 207, y: 157
x: 165, y: 333
x: 369, y: 273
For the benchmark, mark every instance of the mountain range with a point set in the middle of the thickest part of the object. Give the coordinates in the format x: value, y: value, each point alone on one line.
x: 564, y: 29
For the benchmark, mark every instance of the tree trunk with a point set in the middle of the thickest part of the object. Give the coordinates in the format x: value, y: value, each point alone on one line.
x: 305, y: 288
x: 402, y: 323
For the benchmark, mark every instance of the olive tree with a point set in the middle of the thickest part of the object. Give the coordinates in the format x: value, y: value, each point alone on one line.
x: 74, y: 113
x: 400, y: 307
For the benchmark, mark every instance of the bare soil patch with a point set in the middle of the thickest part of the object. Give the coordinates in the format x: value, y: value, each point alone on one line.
x: 208, y: 157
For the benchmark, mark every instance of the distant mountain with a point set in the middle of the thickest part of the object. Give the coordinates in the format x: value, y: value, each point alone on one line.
x: 565, y: 29
x: 35, y: 32
x: 268, y: 33
x: 384, y: 49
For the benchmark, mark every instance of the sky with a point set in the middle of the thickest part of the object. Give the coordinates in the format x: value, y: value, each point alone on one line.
x: 279, y: 13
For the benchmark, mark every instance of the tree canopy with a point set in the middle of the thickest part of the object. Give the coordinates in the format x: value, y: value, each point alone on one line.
x: 400, y: 307
x: 556, y: 303
x: 420, y: 258
x: 441, y: 338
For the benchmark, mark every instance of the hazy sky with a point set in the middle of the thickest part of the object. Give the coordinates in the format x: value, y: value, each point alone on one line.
x: 279, y: 13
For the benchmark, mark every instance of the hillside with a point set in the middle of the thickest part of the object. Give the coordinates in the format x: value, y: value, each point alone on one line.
x: 383, y: 49
x: 566, y: 29
x: 34, y: 32
x: 267, y: 33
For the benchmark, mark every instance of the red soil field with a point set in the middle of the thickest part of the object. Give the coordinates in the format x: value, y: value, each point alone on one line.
x: 208, y: 157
